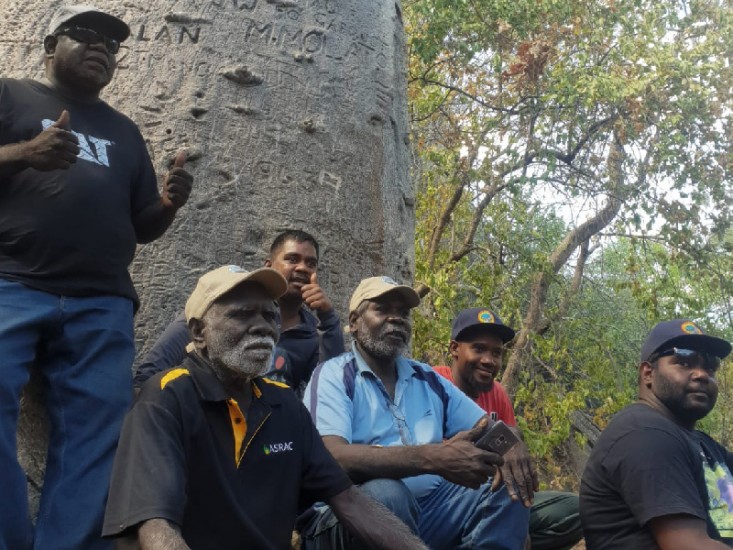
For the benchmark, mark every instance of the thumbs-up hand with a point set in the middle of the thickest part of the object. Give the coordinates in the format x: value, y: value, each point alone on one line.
x: 56, y: 148
x: 177, y: 184
x: 64, y: 121
x: 314, y: 297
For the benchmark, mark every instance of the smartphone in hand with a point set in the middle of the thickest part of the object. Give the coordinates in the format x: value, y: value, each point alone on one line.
x: 497, y: 439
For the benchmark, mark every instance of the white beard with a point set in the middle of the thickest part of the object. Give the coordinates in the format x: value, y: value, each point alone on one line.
x: 236, y: 358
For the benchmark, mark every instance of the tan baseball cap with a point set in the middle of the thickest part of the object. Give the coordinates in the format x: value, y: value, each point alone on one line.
x: 374, y: 287
x: 91, y: 17
x: 214, y: 284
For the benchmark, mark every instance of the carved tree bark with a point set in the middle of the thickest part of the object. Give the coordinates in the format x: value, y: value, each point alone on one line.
x: 294, y: 116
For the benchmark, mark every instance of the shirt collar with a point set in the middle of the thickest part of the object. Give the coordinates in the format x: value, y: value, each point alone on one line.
x: 210, y: 387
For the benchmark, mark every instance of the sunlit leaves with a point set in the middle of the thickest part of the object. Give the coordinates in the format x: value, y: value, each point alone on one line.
x: 517, y: 107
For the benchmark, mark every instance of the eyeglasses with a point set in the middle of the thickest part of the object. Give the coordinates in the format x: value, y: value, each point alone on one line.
x: 688, y: 356
x: 89, y: 36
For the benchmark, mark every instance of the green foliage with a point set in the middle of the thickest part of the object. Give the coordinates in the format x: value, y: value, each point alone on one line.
x: 468, y: 27
x: 529, y: 119
x: 546, y: 425
x: 719, y: 424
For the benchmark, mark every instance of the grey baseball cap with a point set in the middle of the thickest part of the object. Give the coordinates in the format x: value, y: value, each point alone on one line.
x: 91, y: 17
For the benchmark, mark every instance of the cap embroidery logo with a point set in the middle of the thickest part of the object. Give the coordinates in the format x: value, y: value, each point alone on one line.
x: 389, y: 281
x: 690, y: 328
x: 485, y: 316
x: 235, y: 269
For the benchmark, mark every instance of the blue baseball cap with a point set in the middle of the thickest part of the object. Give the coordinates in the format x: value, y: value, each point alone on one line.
x: 682, y: 333
x: 480, y: 317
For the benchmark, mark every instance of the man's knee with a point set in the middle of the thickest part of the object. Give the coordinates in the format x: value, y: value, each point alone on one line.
x: 555, y: 520
x: 396, y: 497
x: 502, y: 522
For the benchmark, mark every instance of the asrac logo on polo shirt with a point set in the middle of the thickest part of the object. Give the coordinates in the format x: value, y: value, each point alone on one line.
x: 273, y: 448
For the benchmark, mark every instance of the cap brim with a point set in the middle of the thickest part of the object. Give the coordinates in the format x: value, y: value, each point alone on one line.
x: 274, y: 283
x: 699, y: 342
x: 107, y: 24
x: 408, y: 293
x: 504, y: 332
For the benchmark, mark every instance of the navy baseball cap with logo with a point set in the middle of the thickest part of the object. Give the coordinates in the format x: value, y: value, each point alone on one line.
x: 682, y: 333
x: 480, y: 317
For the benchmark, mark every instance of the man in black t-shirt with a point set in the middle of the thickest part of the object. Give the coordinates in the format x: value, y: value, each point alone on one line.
x: 212, y: 455
x: 77, y: 193
x: 652, y: 480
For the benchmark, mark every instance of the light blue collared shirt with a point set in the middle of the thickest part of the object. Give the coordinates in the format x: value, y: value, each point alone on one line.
x: 418, y: 414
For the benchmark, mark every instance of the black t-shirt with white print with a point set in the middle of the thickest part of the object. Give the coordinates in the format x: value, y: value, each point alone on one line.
x: 645, y: 466
x: 71, y: 232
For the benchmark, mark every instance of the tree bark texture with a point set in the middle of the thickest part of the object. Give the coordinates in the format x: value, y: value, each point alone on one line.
x: 293, y: 113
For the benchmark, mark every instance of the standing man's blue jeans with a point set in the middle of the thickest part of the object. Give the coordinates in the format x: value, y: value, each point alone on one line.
x: 446, y: 517
x: 84, y: 348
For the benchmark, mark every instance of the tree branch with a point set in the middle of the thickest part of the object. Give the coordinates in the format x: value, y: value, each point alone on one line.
x: 538, y: 295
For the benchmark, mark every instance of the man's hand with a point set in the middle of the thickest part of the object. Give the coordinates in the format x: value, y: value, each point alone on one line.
x: 519, y: 475
x: 459, y: 460
x: 55, y: 148
x: 314, y: 297
x: 177, y: 185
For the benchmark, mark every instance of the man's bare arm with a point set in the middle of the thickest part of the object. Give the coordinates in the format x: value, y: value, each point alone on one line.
x: 683, y: 532
x: 153, y: 220
x: 372, y: 523
x: 160, y: 534
x: 458, y: 460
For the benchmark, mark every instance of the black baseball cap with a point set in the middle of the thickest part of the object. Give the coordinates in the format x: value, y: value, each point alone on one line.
x: 480, y: 317
x: 682, y: 333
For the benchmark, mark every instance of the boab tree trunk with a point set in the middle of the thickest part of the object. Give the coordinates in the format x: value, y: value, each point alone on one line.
x: 294, y: 115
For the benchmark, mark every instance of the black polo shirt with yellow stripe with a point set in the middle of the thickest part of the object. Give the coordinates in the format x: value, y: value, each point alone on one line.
x: 187, y: 454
